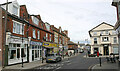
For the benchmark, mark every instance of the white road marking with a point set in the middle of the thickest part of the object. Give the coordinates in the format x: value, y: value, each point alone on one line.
x: 69, y: 63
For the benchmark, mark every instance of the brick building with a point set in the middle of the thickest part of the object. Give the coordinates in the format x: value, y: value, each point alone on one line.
x: 27, y: 36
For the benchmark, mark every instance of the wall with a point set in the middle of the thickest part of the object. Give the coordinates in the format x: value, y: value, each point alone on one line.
x: 0, y: 36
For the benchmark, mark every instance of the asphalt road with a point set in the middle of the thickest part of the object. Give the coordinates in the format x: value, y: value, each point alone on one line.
x: 77, y: 62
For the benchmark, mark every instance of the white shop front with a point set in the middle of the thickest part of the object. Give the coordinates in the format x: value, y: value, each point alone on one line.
x: 35, y: 51
x: 16, y: 48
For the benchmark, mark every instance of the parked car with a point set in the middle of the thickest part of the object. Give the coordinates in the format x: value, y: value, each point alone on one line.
x: 53, y: 58
x: 81, y: 51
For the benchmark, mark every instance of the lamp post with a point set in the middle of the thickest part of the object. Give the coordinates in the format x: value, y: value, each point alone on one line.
x: 63, y: 52
x: 100, y: 59
x: 22, y: 44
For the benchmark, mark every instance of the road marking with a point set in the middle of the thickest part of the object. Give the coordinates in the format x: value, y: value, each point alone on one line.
x: 69, y: 63
x: 58, y: 68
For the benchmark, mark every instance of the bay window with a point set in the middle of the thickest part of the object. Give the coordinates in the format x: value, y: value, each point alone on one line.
x: 34, y: 35
x: 38, y: 34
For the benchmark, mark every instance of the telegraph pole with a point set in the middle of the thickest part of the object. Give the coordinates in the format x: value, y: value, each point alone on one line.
x: 4, y: 45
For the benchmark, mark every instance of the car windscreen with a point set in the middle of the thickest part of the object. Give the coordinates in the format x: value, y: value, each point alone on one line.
x: 50, y: 55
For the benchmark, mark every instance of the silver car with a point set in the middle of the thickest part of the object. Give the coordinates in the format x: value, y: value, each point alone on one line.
x: 53, y: 58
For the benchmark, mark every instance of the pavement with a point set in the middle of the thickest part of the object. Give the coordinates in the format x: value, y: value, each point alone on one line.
x: 0, y: 68
x: 31, y: 65
x: 106, y: 65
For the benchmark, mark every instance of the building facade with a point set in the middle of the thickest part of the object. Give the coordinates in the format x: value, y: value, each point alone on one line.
x: 116, y: 3
x: 104, y: 39
x: 26, y: 36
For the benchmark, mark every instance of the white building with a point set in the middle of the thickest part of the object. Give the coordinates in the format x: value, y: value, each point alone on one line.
x: 104, y: 39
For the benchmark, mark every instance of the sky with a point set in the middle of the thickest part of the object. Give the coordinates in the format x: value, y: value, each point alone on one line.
x: 76, y: 16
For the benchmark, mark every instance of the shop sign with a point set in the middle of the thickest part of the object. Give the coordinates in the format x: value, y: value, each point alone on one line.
x: 35, y: 43
x: 46, y: 44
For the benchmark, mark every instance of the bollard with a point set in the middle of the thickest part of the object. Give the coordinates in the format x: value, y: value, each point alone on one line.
x: 100, y: 61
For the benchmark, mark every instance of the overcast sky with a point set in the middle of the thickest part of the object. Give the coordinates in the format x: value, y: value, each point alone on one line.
x: 76, y: 16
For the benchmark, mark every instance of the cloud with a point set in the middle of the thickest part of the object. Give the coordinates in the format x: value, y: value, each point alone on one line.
x: 76, y: 16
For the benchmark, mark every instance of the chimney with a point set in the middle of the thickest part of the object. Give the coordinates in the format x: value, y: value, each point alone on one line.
x: 66, y: 32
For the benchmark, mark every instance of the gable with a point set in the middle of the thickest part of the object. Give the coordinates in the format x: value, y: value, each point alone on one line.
x: 103, y: 26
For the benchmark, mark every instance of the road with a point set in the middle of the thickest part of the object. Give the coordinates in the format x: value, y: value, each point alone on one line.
x: 77, y: 62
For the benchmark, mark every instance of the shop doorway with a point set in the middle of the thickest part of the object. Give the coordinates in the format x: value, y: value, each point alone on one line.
x: 106, y: 50
x: 95, y: 50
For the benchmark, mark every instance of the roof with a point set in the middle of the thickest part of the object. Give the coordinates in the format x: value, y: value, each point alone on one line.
x: 99, y: 25
x: 81, y: 44
x: 71, y: 43
x: 5, y: 3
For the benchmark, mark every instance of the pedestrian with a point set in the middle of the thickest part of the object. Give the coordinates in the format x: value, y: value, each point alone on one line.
x: 97, y: 54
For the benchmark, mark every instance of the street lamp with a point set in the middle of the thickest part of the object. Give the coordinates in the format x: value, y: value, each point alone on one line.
x: 63, y: 52
x: 100, y: 59
x: 22, y: 44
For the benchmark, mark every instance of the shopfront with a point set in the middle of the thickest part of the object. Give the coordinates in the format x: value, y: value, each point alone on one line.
x: 35, y: 51
x: 17, y: 49
x: 56, y: 48
x: 48, y: 49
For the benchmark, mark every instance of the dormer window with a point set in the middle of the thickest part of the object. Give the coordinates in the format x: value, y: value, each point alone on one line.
x: 15, y: 10
x: 35, y: 20
x: 47, y: 26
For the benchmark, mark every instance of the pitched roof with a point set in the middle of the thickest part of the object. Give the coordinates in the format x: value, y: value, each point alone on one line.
x: 70, y: 43
x: 101, y: 24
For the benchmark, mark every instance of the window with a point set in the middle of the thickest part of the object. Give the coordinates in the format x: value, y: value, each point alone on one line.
x: 47, y: 26
x: 15, y: 10
x: 38, y: 34
x: 95, y: 40
x: 101, y: 32
x: 105, y: 39
x: 95, y: 33
x: 115, y: 39
x: 46, y: 37
x: 119, y: 11
x: 63, y: 40
x: 18, y: 27
x: 115, y: 50
x: 23, y: 52
x: 113, y: 32
x: 106, y: 32
x: 60, y: 40
x: 35, y: 20
x: 34, y: 35
x: 50, y: 37
x: 14, y: 28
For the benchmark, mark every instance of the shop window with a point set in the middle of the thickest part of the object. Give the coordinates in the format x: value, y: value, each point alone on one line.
x: 18, y: 45
x: 38, y: 54
x: 13, y: 54
x: 18, y: 53
x: 23, y: 52
x: 35, y: 53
